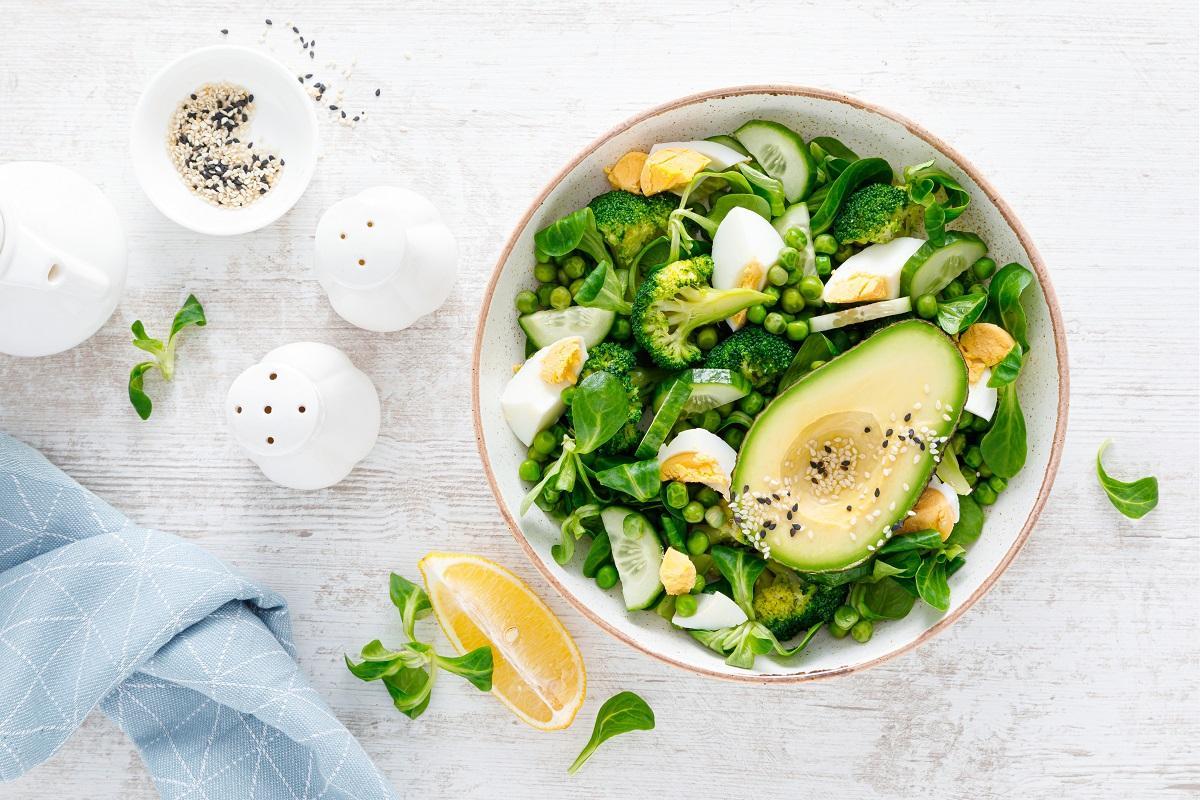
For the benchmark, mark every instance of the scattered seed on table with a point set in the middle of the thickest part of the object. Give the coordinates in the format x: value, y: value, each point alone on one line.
x: 377, y: 93
x: 224, y: 31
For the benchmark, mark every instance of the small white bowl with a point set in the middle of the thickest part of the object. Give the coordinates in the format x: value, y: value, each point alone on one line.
x: 283, y: 122
x: 1044, y: 382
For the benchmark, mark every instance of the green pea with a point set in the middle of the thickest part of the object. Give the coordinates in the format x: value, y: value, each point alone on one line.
x: 715, y: 516
x: 845, y: 616
x: 706, y: 496
x: 777, y: 275
x: 840, y: 339
x: 971, y: 477
x: 697, y: 543
x: 676, y: 495
x: 789, y: 258
x: 686, y: 605
x: 533, y: 455
x: 954, y: 290
x: 985, y: 494
x: 574, y: 267
x: 958, y: 441
x: 774, y: 323
x: 711, y: 420
x: 772, y: 292
x: 797, y: 331
x: 838, y: 633
x: 756, y: 314
x: 699, y: 584
x: 621, y: 329
x: 706, y: 338
x: 568, y: 394
x: 927, y: 306
x: 983, y: 269
x: 530, y: 471
x: 825, y: 244
x: 544, y: 442
x: 862, y: 630
x: 545, y: 273
x: 575, y: 286
x: 811, y: 288
x: 997, y: 483
x: 843, y: 253
x: 734, y: 437
x: 854, y: 335
x: 527, y: 302
x: 543, y: 294
x: 985, y: 471
x: 693, y: 512
x: 795, y: 276
x: 606, y: 576
x: 980, y: 424
x: 792, y: 301
x: 976, y: 288
x: 752, y: 403
x: 824, y: 266
x: 815, y: 365
x: 795, y: 237
x: 973, y: 457
x: 561, y: 277
x: 560, y: 298
x: 666, y: 607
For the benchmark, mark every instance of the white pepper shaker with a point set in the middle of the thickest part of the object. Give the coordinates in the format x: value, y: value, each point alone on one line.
x: 304, y: 414
x: 385, y: 258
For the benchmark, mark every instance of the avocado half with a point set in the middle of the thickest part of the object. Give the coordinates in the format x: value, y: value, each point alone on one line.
x: 837, y: 460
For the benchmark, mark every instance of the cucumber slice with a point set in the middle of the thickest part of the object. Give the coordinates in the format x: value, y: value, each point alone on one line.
x: 547, y: 327
x: 730, y: 142
x: 863, y: 313
x: 712, y: 388
x: 637, y: 554
x: 796, y: 216
x: 665, y: 419
x: 932, y: 268
x: 782, y: 154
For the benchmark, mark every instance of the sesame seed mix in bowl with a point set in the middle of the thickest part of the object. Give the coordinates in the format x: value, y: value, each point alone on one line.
x: 205, y: 142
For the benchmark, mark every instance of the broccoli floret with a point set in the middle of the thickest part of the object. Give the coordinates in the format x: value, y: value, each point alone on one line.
x: 875, y: 214
x: 789, y: 605
x: 758, y: 355
x: 616, y: 360
x: 677, y: 299
x: 608, y: 357
x: 628, y: 222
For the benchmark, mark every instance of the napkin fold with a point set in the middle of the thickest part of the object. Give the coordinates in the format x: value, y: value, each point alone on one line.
x: 193, y: 661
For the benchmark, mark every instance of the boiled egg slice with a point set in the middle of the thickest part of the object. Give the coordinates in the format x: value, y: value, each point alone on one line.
x: 745, y: 247
x: 981, y: 398
x: 721, y: 157
x: 947, y: 492
x: 871, y: 274
x: 714, y: 611
x: 698, y: 456
x: 532, y: 400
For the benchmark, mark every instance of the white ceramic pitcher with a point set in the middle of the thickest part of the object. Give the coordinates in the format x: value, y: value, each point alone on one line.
x: 62, y: 258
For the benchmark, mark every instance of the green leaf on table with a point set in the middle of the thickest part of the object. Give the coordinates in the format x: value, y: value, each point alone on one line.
x: 410, y: 599
x: 622, y: 713
x: 411, y: 689
x: 192, y: 313
x: 475, y: 666
x: 1134, y: 499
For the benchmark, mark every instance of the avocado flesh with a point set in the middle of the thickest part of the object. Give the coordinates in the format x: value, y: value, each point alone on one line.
x: 819, y: 448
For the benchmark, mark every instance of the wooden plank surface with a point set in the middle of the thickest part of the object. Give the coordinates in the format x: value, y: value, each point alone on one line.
x: 1075, y: 677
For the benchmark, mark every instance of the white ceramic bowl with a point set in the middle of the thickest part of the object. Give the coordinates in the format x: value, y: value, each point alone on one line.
x: 283, y: 122
x: 867, y: 129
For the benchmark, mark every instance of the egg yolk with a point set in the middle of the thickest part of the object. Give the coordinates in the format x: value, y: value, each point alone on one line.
x: 751, y: 278
x: 931, y: 513
x: 626, y: 173
x: 670, y: 168
x: 694, y: 468
x: 984, y: 345
x: 677, y: 573
x: 562, y: 362
x: 860, y: 287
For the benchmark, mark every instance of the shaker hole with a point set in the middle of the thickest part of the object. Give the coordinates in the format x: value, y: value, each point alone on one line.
x: 343, y: 236
x: 238, y: 409
x: 54, y: 274
x: 266, y: 409
x: 270, y: 440
x: 273, y: 376
x: 370, y: 224
x: 362, y: 262
x: 301, y: 409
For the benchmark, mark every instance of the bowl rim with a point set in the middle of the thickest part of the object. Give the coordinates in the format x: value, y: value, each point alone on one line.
x: 1010, y: 218
x: 237, y: 226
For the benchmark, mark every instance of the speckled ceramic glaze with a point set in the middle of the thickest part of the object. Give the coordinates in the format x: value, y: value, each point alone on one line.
x: 868, y: 130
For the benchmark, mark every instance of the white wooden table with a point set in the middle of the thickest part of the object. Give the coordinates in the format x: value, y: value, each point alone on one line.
x: 1075, y: 677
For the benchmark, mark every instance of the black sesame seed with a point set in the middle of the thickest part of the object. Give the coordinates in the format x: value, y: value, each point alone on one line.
x: 888, y: 432
x: 343, y: 115
x: 849, y: 508
x: 377, y: 93
x: 224, y: 32
x: 814, y: 480
x: 885, y: 444
x: 269, y: 22
x: 308, y: 75
x: 333, y: 108
x: 312, y: 54
x: 356, y: 118
x: 295, y: 29
x: 877, y: 492
x: 827, y: 449
x: 867, y: 430
x: 907, y: 417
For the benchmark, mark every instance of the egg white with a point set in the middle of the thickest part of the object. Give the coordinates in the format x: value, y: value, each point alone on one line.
x: 885, y: 260
x: 699, y: 440
x: 743, y: 239
x: 946, y: 492
x: 981, y: 398
x: 529, y: 403
x: 720, y: 156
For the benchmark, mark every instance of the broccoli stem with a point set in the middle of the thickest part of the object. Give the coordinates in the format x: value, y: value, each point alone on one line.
x: 694, y: 308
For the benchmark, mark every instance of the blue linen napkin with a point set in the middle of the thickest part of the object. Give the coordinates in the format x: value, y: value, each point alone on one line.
x: 193, y: 661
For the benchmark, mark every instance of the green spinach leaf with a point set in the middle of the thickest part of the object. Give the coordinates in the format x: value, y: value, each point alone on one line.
x: 622, y: 713
x: 574, y: 526
x: 858, y: 173
x: 639, y: 480
x: 969, y: 525
x: 1134, y: 499
x: 932, y: 585
x: 816, y: 347
x: 741, y: 569
x: 599, y: 409
x: 575, y: 231
x: 602, y: 288
x: 411, y: 600
x: 1004, y: 294
x: 884, y: 599
x: 955, y: 316
x: 1003, y: 446
x: 1009, y: 367
x: 766, y: 187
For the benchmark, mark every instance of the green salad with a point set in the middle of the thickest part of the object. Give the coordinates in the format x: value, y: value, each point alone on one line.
x: 767, y: 388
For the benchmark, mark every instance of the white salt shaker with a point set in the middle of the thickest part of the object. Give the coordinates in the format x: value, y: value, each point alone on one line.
x: 304, y: 414
x: 385, y: 258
